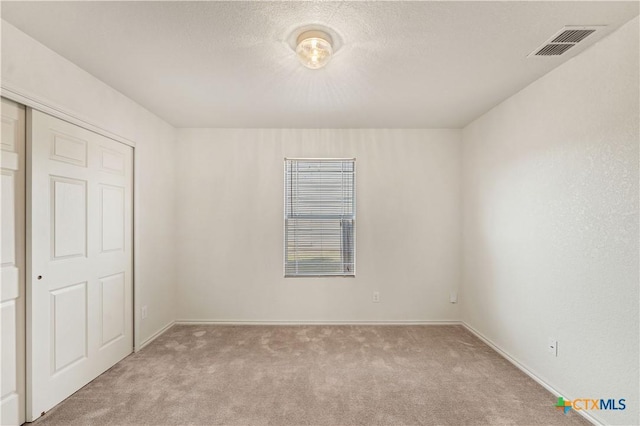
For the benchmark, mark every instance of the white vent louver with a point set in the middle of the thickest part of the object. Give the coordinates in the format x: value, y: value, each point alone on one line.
x: 564, y: 40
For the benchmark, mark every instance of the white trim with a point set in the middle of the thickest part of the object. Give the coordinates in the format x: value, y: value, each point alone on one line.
x: 154, y: 336
x: 44, y: 105
x: 137, y: 308
x: 319, y: 159
x: 528, y: 372
x: 286, y: 322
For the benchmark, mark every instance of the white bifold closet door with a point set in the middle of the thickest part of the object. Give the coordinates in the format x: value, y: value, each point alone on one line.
x: 80, y: 234
x: 12, y: 292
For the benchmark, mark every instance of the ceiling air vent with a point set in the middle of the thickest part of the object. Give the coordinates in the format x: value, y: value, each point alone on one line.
x: 554, y: 49
x: 572, y: 36
x: 564, y: 40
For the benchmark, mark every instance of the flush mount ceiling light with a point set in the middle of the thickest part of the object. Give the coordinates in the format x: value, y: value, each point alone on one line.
x: 314, y: 49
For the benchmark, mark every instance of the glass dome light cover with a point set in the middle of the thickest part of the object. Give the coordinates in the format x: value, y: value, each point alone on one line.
x: 314, y: 49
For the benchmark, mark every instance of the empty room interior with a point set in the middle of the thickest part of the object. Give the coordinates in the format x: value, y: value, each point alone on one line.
x: 320, y: 213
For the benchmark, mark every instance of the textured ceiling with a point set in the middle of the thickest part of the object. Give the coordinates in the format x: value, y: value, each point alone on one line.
x: 230, y: 64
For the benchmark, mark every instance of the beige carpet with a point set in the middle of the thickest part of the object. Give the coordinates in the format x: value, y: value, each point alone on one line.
x: 313, y: 375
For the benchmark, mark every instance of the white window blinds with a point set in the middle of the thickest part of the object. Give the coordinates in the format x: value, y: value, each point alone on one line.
x: 319, y: 217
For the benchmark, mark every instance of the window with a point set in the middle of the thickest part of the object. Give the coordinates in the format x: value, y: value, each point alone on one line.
x: 319, y: 217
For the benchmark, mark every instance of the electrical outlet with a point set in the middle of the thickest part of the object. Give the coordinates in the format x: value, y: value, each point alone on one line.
x: 376, y: 297
x: 552, y: 346
x: 453, y: 297
x: 144, y: 312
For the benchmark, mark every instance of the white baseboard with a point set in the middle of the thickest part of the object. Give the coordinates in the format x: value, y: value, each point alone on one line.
x: 528, y: 372
x: 288, y: 322
x: 154, y: 336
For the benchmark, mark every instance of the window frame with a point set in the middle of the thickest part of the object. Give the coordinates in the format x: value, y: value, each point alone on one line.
x: 351, y: 274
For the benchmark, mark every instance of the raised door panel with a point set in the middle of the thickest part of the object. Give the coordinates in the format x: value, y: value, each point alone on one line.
x: 68, y: 149
x: 69, y: 326
x: 112, y: 218
x: 113, y: 307
x: 11, y: 374
x: 8, y: 218
x: 112, y: 161
x: 69, y: 220
x: 9, y: 341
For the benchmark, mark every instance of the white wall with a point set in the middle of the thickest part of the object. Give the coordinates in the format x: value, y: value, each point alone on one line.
x: 230, y: 211
x: 34, y: 70
x: 550, y: 189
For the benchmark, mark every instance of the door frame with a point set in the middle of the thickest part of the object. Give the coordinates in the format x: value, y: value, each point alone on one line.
x: 17, y: 169
x: 32, y: 102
